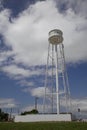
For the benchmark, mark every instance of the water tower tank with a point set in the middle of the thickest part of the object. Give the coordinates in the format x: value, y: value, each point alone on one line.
x: 55, y: 36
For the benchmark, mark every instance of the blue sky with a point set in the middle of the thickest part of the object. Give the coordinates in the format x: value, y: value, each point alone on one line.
x: 24, y: 27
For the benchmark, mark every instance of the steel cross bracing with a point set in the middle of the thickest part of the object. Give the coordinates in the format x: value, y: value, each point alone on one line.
x: 57, y: 93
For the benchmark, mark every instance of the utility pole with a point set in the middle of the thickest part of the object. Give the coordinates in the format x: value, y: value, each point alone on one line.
x: 36, y: 98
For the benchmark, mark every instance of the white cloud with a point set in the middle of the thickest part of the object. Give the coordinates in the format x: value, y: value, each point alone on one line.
x: 28, y: 33
x: 25, y: 83
x: 4, y: 55
x: 7, y: 103
x: 19, y: 72
x: 14, y: 70
x: 4, y: 20
x: 38, y: 92
x: 79, y: 103
x: 78, y: 6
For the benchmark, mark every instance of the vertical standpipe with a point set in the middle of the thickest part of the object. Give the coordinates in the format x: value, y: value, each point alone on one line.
x: 57, y: 85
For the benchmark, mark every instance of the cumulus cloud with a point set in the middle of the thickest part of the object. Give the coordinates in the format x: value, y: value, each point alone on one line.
x: 28, y: 33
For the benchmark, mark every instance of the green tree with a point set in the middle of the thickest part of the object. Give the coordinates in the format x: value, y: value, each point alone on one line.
x: 34, y: 111
x: 3, y: 116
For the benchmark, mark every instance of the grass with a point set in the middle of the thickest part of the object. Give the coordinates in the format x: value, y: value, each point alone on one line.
x: 44, y: 126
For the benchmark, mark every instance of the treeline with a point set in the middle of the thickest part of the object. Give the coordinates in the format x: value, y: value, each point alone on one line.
x: 34, y: 111
x: 3, y: 116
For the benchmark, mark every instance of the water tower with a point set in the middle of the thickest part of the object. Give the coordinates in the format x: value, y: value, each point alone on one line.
x: 57, y: 93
